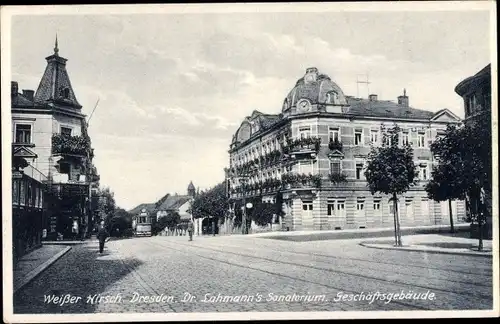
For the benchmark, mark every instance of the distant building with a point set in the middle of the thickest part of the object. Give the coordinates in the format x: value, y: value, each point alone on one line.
x: 320, y: 135
x: 49, y: 129
x: 168, y: 204
x: 177, y: 203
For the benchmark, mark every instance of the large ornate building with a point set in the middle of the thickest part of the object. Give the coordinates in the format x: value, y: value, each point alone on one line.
x: 49, y: 131
x: 322, y: 137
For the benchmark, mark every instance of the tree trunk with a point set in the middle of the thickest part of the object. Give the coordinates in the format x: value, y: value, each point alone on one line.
x: 452, y: 228
x: 397, y: 233
x: 400, y: 242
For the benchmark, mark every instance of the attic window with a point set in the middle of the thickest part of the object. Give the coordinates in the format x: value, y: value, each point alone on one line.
x: 65, y: 93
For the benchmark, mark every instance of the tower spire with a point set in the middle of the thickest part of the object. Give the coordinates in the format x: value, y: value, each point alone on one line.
x: 56, y: 48
x: 404, y: 92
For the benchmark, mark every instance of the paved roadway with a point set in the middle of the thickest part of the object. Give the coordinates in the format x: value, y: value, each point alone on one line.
x: 258, y: 268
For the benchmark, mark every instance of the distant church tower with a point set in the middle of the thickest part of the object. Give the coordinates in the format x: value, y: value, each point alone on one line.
x: 191, y: 190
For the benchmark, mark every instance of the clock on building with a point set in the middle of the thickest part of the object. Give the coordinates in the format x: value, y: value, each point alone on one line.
x: 303, y: 105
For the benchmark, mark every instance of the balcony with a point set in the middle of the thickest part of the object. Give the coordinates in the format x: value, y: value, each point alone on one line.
x: 63, y: 178
x: 307, y: 147
x: 335, y: 145
x: 301, y: 181
x: 71, y: 145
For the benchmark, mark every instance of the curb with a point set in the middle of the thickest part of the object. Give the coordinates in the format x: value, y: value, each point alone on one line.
x: 35, y: 272
x: 373, y: 246
x: 63, y: 242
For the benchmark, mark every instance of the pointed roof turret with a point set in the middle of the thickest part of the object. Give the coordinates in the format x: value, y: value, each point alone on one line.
x: 55, y: 86
x: 191, y: 186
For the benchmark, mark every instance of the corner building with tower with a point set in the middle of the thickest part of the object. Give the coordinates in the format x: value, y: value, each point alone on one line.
x: 322, y: 136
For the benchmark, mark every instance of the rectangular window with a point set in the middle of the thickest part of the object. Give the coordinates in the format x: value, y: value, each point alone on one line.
x: 360, y: 205
x: 359, y: 170
x: 40, y: 200
x: 304, y: 132
x: 358, y: 137
x: 15, y: 192
x: 331, y: 207
x: 340, y: 205
x: 335, y: 167
x: 374, y: 137
x: 423, y: 171
x: 22, y: 193
x: 421, y: 140
x: 334, y: 134
x: 23, y: 133
x: 307, y: 205
x: 376, y: 205
x: 405, y: 138
x: 65, y: 131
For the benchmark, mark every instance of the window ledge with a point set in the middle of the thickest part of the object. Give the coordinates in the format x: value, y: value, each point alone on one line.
x: 24, y: 144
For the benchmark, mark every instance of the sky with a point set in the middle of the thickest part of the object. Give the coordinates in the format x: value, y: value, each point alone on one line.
x: 174, y: 88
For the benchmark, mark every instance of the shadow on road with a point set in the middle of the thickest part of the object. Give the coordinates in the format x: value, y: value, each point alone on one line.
x: 82, y: 272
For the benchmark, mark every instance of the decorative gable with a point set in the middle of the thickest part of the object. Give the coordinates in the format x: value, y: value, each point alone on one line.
x: 445, y: 115
x: 24, y: 152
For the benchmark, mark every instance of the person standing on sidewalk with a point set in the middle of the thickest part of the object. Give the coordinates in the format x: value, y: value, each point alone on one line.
x: 102, y: 235
x: 190, y: 229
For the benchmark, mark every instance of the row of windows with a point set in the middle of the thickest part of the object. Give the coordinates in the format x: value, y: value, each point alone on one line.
x: 25, y: 193
x: 255, y: 151
x: 337, y: 206
x: 23, y: 133
x: 334, y: 134
x: 307, y: 167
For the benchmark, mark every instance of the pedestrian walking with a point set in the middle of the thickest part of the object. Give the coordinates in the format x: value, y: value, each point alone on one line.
x: 102, y: 235
x: 190, y: 229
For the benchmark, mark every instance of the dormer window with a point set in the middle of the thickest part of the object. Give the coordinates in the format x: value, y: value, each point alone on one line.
x: 64, y: 93
x: 332, y: 98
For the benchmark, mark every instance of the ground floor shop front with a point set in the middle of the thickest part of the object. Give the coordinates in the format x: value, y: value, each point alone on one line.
x: 337, y: 210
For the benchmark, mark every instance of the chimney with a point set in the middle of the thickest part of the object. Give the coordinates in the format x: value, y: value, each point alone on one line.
x: 29, y: 94
x: 14, y: 88
x: 373, y: 97
x: 403, y: 100
x: 311, y: 75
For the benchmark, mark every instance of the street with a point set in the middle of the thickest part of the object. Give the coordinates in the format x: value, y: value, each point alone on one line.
x: 248, y: 273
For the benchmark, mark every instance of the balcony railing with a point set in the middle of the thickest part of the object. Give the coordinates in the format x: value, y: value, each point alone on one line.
x: 301, y: 180
x: 71, y: 145
x: 335, y: 145
x: 63, y: 178
x: 306, y: 144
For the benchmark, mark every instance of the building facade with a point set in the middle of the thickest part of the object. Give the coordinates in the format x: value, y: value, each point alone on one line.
x: 476, y: 93
x: 49, y: 126
x: 322, y: 137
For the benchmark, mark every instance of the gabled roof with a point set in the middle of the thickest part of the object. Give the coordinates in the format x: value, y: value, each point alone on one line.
x: 386, y: 109
x: 173, y: 202
x: 55, y: 83
x: 19, y: 100
x: 137, y: 209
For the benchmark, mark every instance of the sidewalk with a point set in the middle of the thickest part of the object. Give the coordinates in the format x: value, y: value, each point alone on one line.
x: 456, y: 243
x: 301, y: 236
x: 33, y: 263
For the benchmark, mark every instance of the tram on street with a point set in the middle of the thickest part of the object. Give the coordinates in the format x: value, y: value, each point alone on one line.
x: 142, y: 224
